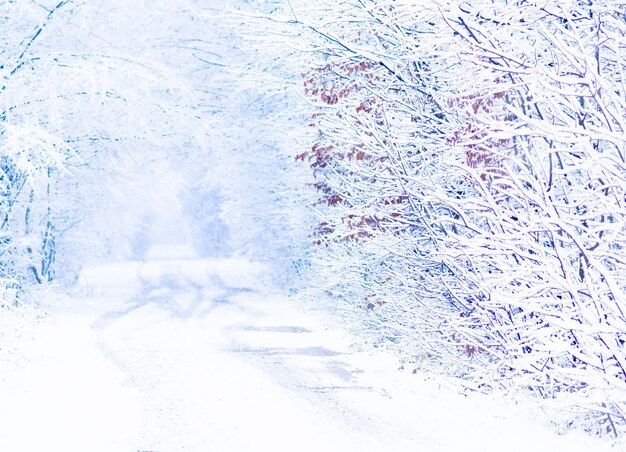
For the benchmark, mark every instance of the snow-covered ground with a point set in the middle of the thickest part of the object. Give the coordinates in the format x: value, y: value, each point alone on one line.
x: 184, y: 354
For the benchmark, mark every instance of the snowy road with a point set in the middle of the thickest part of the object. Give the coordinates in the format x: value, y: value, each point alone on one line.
x: 197, y: 355
x: 179, y: 345
x: 217, y: 364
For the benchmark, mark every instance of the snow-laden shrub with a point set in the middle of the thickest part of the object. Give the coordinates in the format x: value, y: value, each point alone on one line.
x: 469, y: 162
x: 542, y: 150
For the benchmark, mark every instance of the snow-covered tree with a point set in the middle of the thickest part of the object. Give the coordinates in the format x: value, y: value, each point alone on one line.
x: 257, y: 130
x: 92, y: 111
